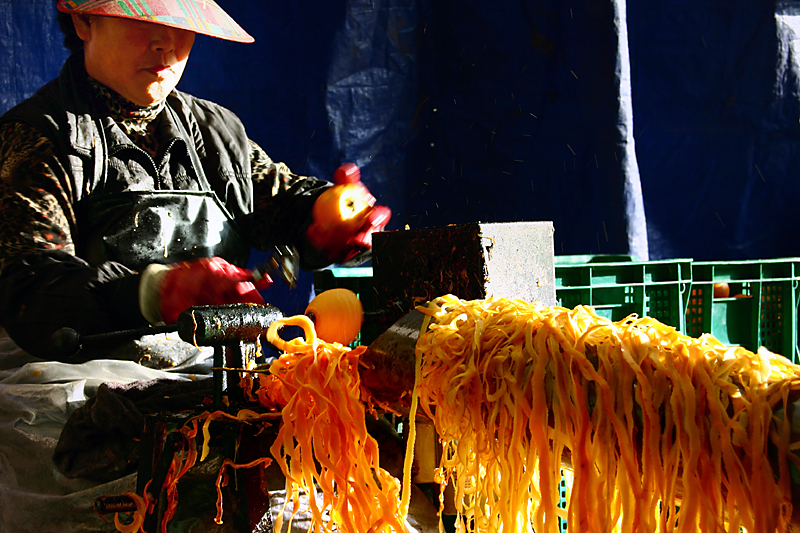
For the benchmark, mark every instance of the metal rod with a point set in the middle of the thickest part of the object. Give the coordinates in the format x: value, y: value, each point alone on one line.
x: 66, y: 342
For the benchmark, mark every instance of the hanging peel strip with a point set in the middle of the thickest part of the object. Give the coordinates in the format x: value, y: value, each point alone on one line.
x: 139, y: 514
x: 323, y: 446
x: 183, y: 459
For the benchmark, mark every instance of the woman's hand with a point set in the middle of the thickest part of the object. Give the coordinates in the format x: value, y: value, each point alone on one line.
x: 345, y: 216
x: 167, y: 290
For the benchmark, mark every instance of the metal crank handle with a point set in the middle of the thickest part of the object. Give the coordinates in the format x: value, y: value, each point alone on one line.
x: 284, y: 261
x: 66, y: 342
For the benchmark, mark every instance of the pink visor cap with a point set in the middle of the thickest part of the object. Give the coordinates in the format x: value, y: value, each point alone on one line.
x: 200, y: 16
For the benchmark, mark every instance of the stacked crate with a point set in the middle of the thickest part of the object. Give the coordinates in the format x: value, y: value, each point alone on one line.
x: 757, y: 308
x: 617, y: 286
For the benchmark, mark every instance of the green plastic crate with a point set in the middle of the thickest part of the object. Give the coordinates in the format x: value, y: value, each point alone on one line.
x: 358, y: 280
x: 760, y: 311
x: 595, y: 258
x: 658, y: 289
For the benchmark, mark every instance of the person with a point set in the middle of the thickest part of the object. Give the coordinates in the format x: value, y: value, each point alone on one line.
x: 125, y: 200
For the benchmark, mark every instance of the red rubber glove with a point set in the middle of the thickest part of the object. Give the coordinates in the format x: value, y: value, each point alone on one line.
x: 345, y: 216
x: 205, y: 281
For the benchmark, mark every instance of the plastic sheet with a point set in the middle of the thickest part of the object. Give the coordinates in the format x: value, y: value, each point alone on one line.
x: 540, y: 110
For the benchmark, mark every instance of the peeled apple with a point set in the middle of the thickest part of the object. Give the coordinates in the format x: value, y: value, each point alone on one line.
x: 337, y: 315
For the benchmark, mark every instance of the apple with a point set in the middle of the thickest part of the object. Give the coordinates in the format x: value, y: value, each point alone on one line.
x: 337, y: 315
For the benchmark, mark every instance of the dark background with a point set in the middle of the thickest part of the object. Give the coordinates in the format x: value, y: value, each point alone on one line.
x: 658, y: 129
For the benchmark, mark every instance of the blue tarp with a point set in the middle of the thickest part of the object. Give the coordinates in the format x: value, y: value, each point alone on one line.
x: 659, y: 129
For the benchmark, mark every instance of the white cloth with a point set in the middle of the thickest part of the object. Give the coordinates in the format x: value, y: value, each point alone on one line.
x: 36, y: 399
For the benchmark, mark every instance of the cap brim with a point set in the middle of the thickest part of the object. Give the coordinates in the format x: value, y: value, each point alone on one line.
x: 199, y: 16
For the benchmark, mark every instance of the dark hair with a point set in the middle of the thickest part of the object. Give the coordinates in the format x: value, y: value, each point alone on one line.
x: 72, y: 42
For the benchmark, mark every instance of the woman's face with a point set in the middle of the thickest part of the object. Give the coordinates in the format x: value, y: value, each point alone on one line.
x: 141, y: 61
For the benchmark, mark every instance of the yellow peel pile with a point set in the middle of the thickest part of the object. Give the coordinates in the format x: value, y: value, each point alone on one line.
x: 662, y: 432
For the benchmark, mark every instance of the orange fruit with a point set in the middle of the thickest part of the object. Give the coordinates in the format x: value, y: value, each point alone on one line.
x: 722, y: 290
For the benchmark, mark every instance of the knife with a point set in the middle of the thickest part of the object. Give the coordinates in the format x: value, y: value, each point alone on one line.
x: 285, y: 261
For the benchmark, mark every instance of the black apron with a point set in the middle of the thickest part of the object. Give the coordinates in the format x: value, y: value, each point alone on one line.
x: 139, y: 228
